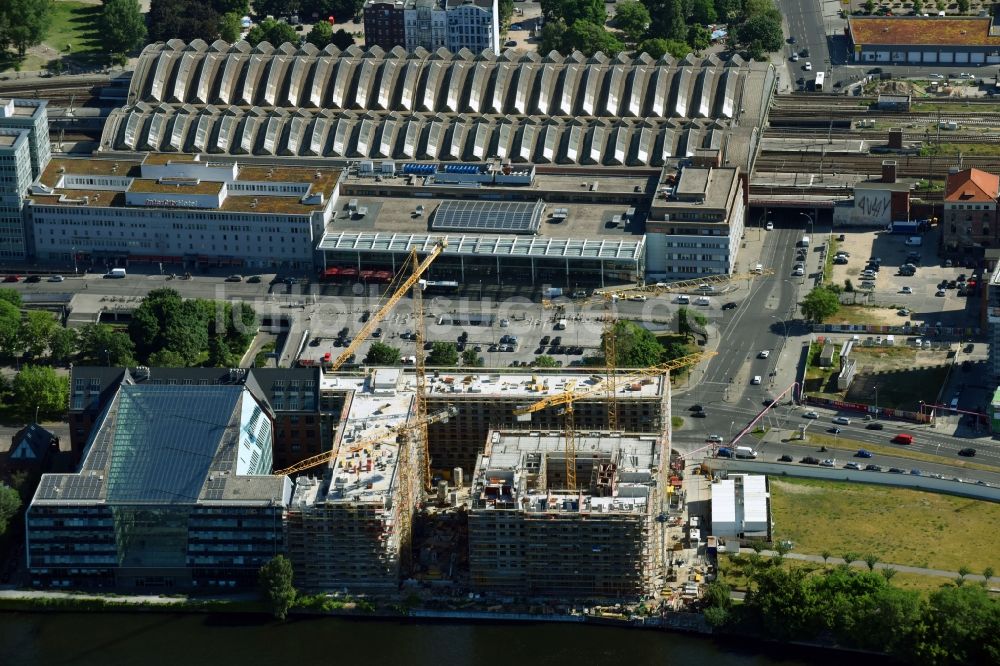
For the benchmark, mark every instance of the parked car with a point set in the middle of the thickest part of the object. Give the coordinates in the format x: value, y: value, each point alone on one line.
x: 714, y: 438
x: 809, y: 460
x: 234, y: 278
x: 829, y: 462
x: 852, y: 465
x: 57, y: 278
x: 873, y: 468
x: 770, y: 225
x: 253, y: 279
x: 785, y: 458
x: 34, y: 278
x: 12, y: 278
x: 896, y: 470
x: 729, y: 306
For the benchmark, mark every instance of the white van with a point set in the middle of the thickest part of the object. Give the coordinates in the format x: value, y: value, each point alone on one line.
x: 116, y: 273
x: 804, y: 242
x: 745, y: 452
x: 561, y: 325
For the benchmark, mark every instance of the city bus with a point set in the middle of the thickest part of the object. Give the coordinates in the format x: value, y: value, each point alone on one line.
x: 820, y: 76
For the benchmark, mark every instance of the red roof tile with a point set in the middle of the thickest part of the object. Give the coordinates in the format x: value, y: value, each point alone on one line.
x: 972, y: 185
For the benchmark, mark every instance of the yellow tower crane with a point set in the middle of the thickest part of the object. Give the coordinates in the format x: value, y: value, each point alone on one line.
x: 572, y: 394
x: 386, y: 305
x: 367, y: 442
x: 640, y: 292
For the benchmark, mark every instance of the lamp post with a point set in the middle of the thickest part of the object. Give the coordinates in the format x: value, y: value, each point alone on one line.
x: 812, y: 228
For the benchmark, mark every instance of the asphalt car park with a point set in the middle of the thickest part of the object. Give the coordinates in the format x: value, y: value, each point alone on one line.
x: 915, y: 297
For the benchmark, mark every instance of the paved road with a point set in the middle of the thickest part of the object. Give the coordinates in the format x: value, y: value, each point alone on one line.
x: 879, y: 565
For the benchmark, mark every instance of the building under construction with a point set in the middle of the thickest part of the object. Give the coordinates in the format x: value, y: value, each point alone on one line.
x: 348, y: 523
x: 531, y: 534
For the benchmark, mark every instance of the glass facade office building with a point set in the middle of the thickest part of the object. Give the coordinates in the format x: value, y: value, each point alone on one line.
x: 174, y: 492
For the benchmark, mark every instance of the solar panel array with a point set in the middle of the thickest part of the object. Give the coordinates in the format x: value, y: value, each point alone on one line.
x: 508, y: 217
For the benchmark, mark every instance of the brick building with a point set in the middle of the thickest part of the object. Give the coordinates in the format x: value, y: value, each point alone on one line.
x: 969, y: 224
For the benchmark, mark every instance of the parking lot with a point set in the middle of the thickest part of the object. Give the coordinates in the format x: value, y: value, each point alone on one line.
x: 917, y: 294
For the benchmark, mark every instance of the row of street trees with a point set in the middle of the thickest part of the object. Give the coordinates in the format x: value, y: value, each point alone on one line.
x: 165, y: 331
x: 658, y: 27
x: 220, y: 19
x: 860, y: 609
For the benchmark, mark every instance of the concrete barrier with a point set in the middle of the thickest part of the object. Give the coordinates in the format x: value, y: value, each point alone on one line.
x: 927, y: 483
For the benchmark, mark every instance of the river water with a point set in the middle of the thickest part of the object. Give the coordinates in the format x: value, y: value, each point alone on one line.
x: 168, y: 639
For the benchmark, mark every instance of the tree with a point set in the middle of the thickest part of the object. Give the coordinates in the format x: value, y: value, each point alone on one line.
x: 340, y: 10
x: 10, y: 329
x: 699, y: 37
x: 825, y: 554
x: 871, y: 559
x: 342, y: 39
x: 669, y: 20
x: 849, y: 557
x: 959, y: 625
x: 63, y: 344
x: 545, y: 361
x: 23, y: 23
x: 471, y: 359
x: 571, y: 11
x: 38, y: 388
x: 182, y: 19
x: 963, y: 571
x: 703, y: 12
x: 918, y: 6
x: 633, y: 19
x: 239, y: 7
x: 819, y: 304
x: 657, y: 47
x: 869, y: 6
x: 888, y: 573
x: 36, y: 331
x: 987, y: 575
x: 10, y: 504
x: 55, y: 67
x: 941, y: 5
x: 382, y: 354
x: 963, y: 6
x: 727, y: 10
x: 123, y: 28
x: 443, y: 353
x: 274, y: 32
x: 589, y: 38
x: 761, y: 34
x: 276, y: 7
x: 506, y: 10
x: 635, y: 346
x: 230, y: 27
x: 320, y: 34
x: 11, y: 296
x: 166, y: 358
x: 102, y: 345
x: 276, y: 585
x: 553, y: 33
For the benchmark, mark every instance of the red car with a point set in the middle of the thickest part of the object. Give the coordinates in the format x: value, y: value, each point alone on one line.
x: 903, y: 438
x: 12, y: 278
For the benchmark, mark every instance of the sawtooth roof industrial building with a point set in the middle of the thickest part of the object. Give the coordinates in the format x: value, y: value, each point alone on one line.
x: 521, y: 107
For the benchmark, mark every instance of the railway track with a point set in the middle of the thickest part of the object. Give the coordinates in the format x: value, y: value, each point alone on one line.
x: 910, y: 166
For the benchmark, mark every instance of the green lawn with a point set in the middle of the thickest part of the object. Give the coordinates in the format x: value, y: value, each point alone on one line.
x: 900, y: 526
x: 72, y: 32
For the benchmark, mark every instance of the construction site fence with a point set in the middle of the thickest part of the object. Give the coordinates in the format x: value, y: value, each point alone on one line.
x: 916, y: 330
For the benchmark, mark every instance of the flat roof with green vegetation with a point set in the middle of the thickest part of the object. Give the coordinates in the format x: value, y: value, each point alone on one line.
x: 901, y: 526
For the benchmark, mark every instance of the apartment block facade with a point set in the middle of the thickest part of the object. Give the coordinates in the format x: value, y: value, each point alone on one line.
x: 434, y: 24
